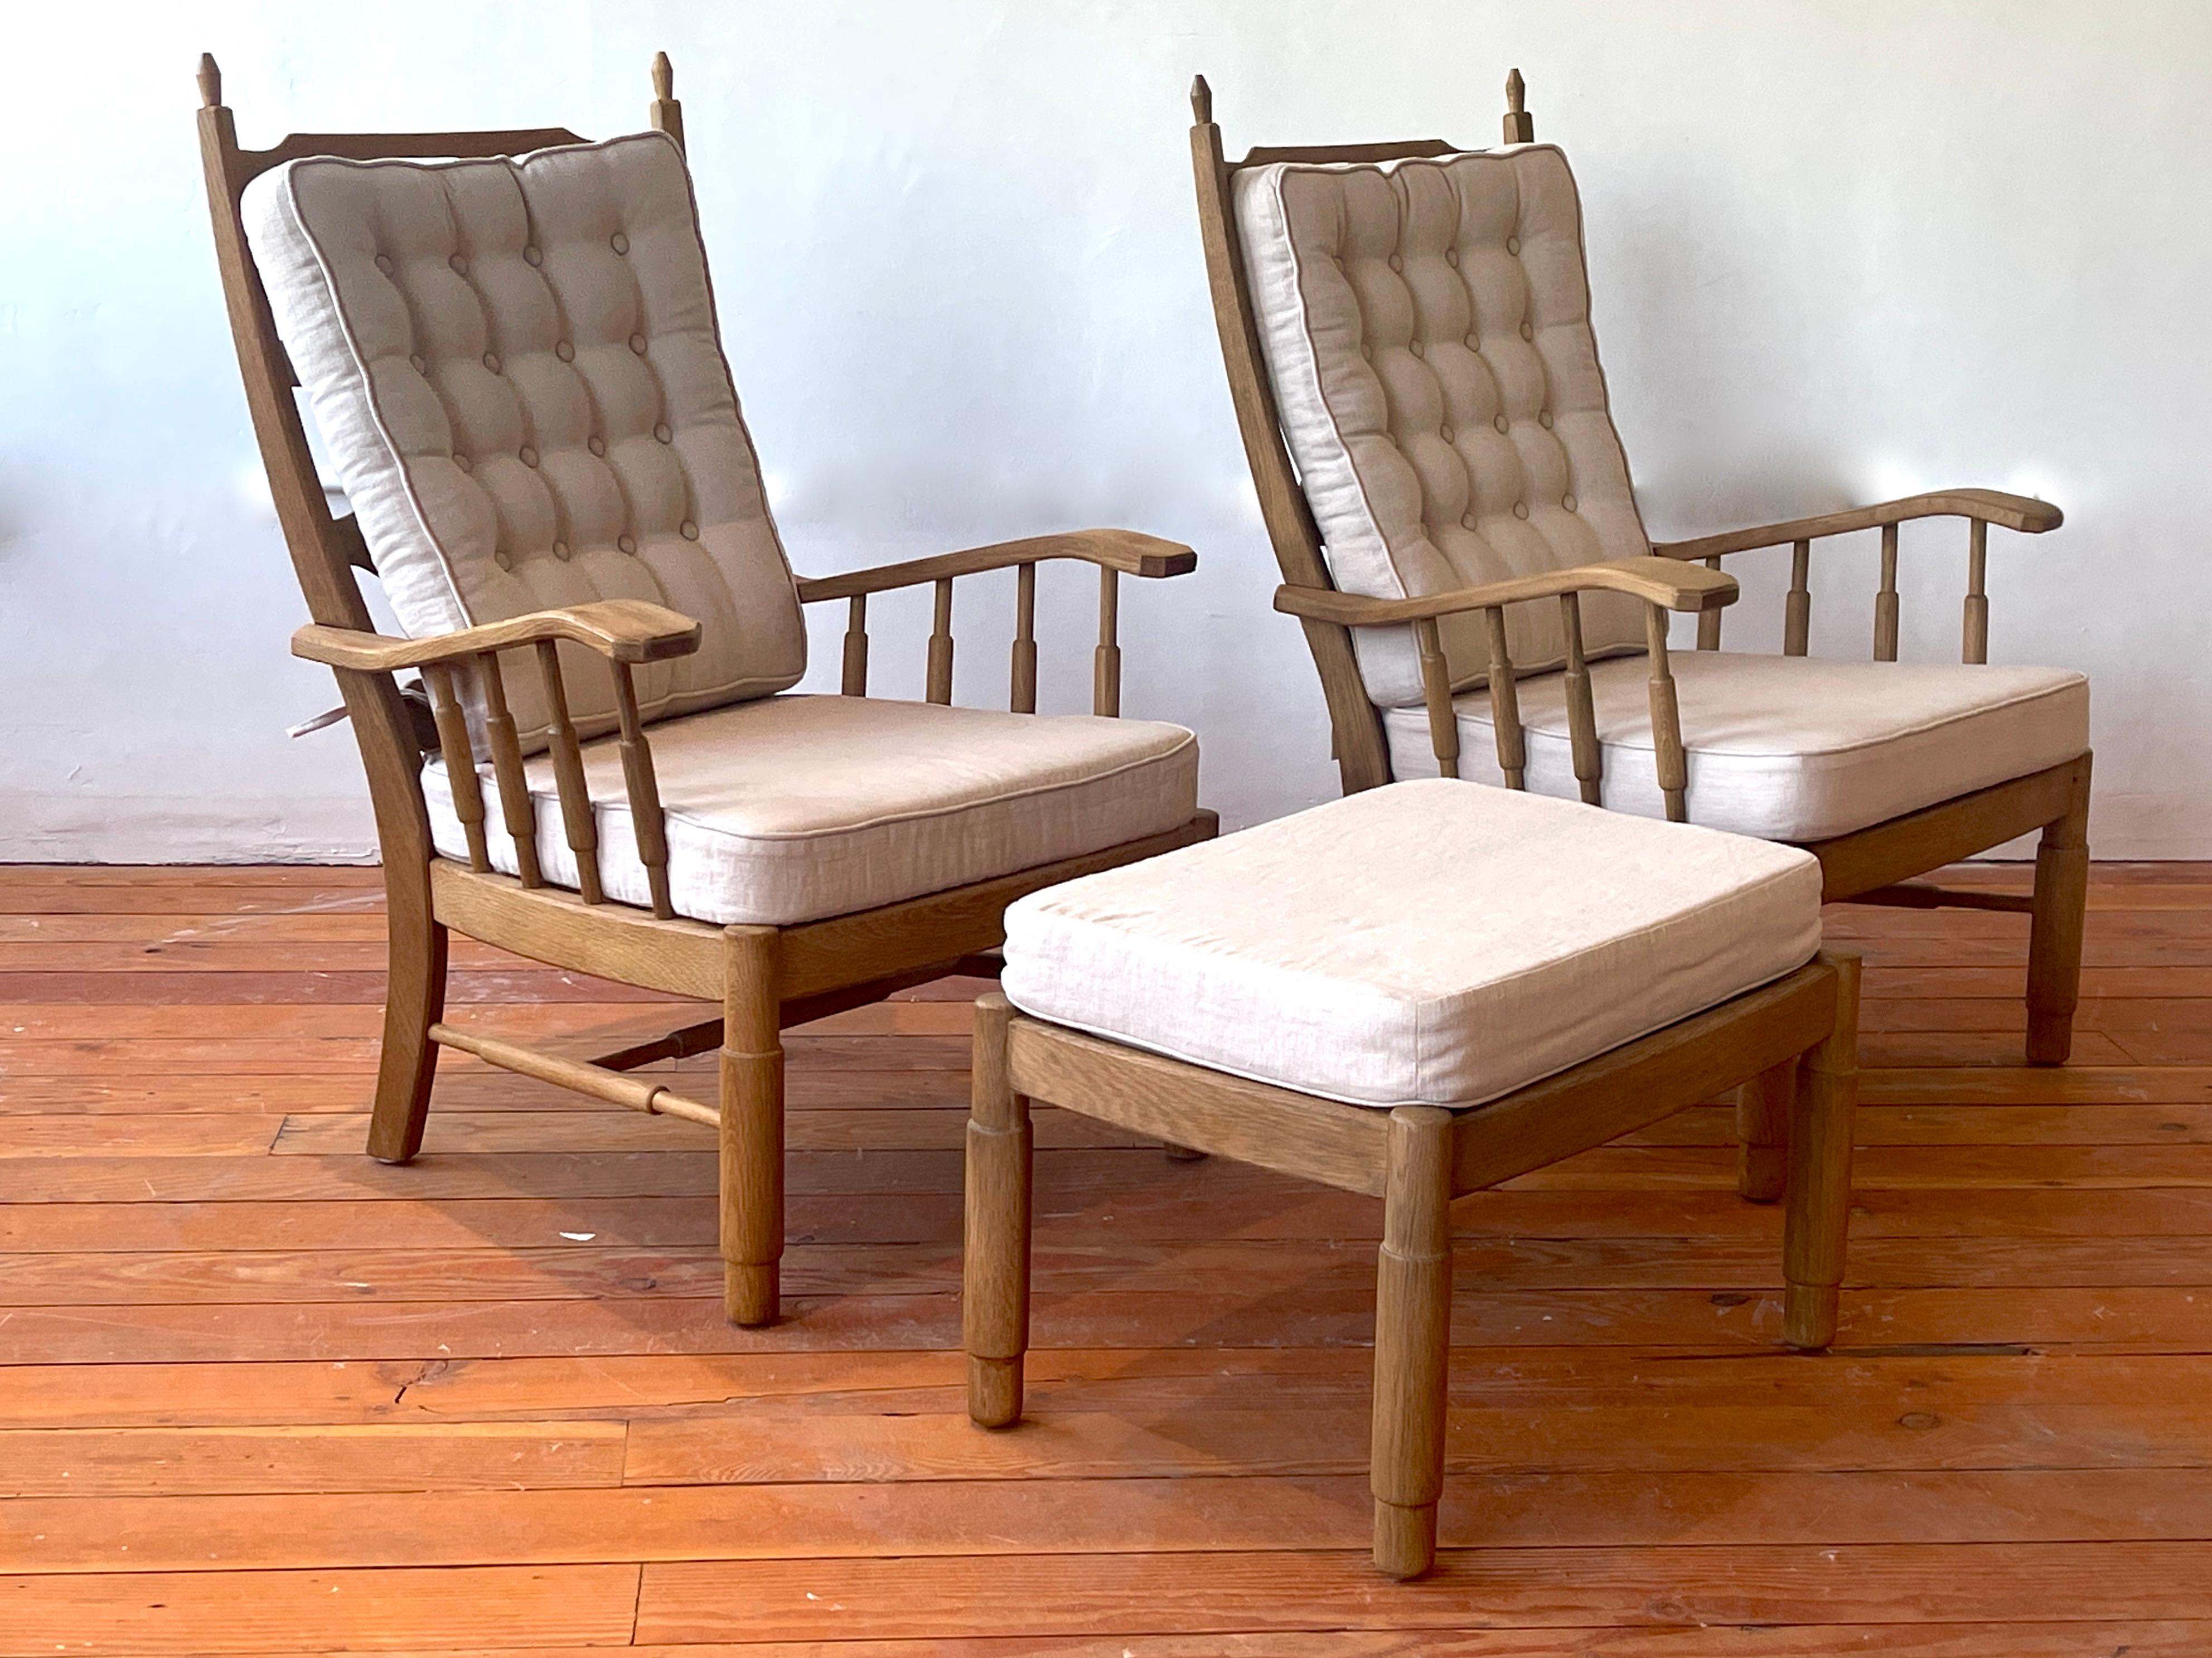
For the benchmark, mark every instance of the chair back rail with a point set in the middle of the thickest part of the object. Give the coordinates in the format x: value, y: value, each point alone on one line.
x: 327, y: 550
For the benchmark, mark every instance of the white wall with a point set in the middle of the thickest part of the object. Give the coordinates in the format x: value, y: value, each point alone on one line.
x: 1841, y: 252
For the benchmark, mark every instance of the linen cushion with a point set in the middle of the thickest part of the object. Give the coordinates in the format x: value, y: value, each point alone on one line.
x: 1430, y: 942
x: 789, y: 808
x: 1789, y: 748
x: 1426, y: 328
x: 517, y: 372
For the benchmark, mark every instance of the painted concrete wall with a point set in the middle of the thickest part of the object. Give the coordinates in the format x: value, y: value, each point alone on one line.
x: 1840, y: 252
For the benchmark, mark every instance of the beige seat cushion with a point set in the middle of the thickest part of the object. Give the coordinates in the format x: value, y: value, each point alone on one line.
x: 1787, y: 748
x: 1428, y: 943
x: 516, y: 368
x: 793, y: 808
x: 1426, y: 327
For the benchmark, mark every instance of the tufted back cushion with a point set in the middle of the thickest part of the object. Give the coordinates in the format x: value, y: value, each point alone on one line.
x: 517, y: 372
x: 1426, y: 327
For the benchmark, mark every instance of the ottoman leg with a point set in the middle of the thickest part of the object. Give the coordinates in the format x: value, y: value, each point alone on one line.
x: 1820, y: 1171
x: 1762, y: 1129
x: 994, y: 1308
x: 1413, y: 1341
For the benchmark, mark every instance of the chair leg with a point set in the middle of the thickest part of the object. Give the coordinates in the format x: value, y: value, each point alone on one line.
x: 752, y: 1125
x: 2054, y: 940
x: 1762, y: 1128
x: 1413, y: 1341
x: 995, y: 1306
x: 413, y: 1000
x: 1820, y: 1171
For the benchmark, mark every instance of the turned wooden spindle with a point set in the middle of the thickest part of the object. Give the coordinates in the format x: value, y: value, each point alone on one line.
x: 568, y: 776
x: 1520, y: 126
x: 1974, y: 634
x: 1885, y: 602
x: 1106, y: 664
x: 211, y: 79
x: 1505, y: 704
x: 516, y: 809
x: 940, y: 645
x: 1435, y: 692
x: 1022, y: 697
x: 1581, y: 712
x: 1667, y: 757
x: 644, y: 791
x: 460, y: 761
x: 855, y: 682
x: 666, y: 114
x: 1709, y: 622
x: 1797, y: 611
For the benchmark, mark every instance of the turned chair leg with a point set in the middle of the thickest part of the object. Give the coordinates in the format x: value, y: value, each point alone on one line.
x: 2054, y: 938
x: 1413, y: 1341
x: 1762, y: 1129
x: 1819, y: 1196
x: 994, y: 1308
x: 413, y: 1000
x: 752, y: 1126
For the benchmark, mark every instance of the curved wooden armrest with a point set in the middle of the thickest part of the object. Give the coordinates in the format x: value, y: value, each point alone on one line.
x: 2020, y: 512
x: 1125, y: 550
x: 1655, y: 581
x: 620, y: 629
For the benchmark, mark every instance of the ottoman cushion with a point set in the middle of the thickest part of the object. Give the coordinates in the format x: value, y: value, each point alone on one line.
x: 1430, y: 943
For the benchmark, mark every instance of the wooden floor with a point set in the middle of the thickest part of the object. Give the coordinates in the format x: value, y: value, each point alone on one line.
x: 260, y: 1394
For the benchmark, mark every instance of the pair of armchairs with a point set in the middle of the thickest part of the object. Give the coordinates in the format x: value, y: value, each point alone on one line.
x: 516, y: 368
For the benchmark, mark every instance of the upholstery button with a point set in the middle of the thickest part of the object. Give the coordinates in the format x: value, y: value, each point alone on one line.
x: 628, y: 544
x: 565, y: 351
x: 1366, y: 350
x: 1544, y: 419
x: 1475, y: 343
x: 1520, y: 510
x: 688, y: 530
x: 598, y: 445
x: 1513, y: 245
x: 504, y: 559
x: 461, y: 265
x: 1502, y: 423
x: 419, y: 366
x: 1467, y: 522
x: 529, y: 456
x: 491, y: 361
x: 560, y: 551
x: 1451, y: 258
x: 532, y: 258
x: 662, y: 431
x: 1396, y: 263
x: 1447, y: 434
x: 384, y: 263
x: 619, y: 242
x: 1528, y: 331
x: 464, y: 463
x: 1567, y: 501
x: 1414, y: 346
x: 637, y: 344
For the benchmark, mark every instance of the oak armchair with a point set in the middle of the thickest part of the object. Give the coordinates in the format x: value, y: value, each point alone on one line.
x: 1406, y: 331
x: 516, y: 367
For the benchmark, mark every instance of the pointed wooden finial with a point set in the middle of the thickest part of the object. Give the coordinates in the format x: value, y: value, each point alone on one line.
x: 664, y: 75
x: 1520, y: 126
x: 1201, y: 100
x: 664, y: 112
x: 211, y: 79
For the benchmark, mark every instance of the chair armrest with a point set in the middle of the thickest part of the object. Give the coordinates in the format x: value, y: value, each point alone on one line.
x: 1125, y: 550
x: 620, y: 629
x: 2020, y: 512
x: 1655, y: 581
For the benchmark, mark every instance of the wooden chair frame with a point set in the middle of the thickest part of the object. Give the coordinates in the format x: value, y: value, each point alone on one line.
x: 1795, y: 1040
x: 1872, y: 866
x: 764, y: 978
